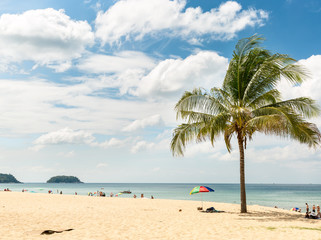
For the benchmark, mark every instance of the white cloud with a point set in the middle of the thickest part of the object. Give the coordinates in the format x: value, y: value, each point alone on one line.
x: 142, y: 145
x: 117, y: 63
x: 155, y: 120
x: 45, y: 107
x: 70, y: 136
x: 194, y: 149
x: 309, y: 88
x: 172, y: 77
x: 113, y: 142
x: 45, y: 36
x: 64, y: 136
x: 102, y: 165
x: 139, y: 18
x: 69, y: 154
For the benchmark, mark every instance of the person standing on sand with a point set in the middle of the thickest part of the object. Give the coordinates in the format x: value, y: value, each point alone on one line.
x: 307, y: 207
x: 142, y: 195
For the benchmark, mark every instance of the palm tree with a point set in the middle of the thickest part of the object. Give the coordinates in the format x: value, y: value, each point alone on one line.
x: 248, y: 102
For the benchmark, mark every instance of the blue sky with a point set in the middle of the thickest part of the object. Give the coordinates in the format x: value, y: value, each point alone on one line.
x: 88, y: 87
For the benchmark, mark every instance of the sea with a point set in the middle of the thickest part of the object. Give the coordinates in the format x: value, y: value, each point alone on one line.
x: 284, y: 196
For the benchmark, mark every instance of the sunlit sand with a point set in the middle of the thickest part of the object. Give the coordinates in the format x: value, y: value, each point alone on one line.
x: 27, y: 215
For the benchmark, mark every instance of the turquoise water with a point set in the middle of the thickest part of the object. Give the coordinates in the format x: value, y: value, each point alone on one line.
x: 281, y: 195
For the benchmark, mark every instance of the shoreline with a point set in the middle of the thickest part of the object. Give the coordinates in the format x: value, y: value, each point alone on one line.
x: 27, y: 215
x: 282, y: 196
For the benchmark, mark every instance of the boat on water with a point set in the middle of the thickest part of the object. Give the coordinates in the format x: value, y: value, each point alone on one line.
x: 127, y: 192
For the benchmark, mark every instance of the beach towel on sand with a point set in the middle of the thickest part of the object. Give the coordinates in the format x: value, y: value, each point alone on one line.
x: 212, y: 210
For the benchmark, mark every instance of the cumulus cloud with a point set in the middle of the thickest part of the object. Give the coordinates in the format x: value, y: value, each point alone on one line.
x: 113, y: 142
x: 173, y: 76
x: 139, y: 18
x: 64, y: 136
x: 155, y: 120
x: 142, y: 145
x: 117, y: 63
x: 45, y: 36
x: 70, y: 136
x: 55, y: 106
x: 309, y: 88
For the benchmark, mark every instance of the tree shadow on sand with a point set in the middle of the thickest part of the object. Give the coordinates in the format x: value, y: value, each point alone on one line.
x: 273, y: 216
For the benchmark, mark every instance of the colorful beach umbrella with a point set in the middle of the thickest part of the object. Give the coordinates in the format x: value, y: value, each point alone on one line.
x: 201, y: 189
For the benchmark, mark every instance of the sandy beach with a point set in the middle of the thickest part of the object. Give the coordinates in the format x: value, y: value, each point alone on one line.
x: 27, y: 215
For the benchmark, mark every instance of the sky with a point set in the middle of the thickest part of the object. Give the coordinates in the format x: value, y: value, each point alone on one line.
x: 88, y: 87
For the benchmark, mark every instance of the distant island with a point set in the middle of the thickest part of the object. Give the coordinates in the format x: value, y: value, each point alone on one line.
x: 64, y: 179
x: 8, y: 178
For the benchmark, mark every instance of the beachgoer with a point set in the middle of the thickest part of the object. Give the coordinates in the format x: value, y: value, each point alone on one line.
x: 313, y: 215
x: 307, y: 208
x: 75, y: 193
x: 60, y: 192
x: 111, y: 194
x: 134, y: 196
x: 313, y: 208
x: 299, y: 210
x: 142, y: 195
x: 318, y: 211
x: 152, y: 197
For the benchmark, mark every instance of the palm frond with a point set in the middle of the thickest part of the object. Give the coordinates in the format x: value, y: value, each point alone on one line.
x: 200, y: 102
x: 182, y: 135
x: 304, y: 106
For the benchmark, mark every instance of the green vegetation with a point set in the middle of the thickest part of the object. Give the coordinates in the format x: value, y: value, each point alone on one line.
x: 8, y: 178
x: 248, y: 102
x: 64, y: 179
x: 306, y: 228
x: 271, y: 228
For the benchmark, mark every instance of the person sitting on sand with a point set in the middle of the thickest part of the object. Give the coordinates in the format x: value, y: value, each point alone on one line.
x: 313, y: 215
x: 318, y: 212
x: 142, y: 195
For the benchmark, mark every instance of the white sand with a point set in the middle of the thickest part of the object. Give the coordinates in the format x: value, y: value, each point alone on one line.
x: 26, y: 215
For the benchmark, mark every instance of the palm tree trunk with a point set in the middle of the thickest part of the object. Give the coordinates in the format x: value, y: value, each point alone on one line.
x: 242, y: 174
